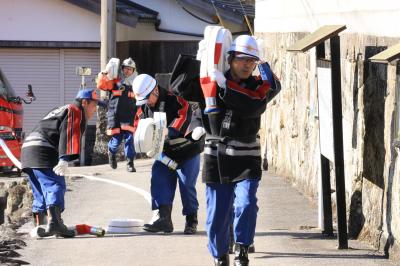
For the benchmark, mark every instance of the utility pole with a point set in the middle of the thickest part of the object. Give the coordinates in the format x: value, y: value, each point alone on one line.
x: 107, y: 50
x: 107, y: 31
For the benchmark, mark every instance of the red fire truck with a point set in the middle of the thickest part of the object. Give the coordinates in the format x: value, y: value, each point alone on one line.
x: 11, y: 119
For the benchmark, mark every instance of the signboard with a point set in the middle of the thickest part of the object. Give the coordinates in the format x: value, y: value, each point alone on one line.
x: 325, y: 112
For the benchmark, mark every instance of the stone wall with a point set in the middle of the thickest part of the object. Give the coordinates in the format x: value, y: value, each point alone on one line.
x: 15, y: 205
x: 291, y: 131
x: 16, y: 199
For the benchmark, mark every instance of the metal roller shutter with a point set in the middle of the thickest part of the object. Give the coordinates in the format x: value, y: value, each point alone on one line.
x: 51, y: 73
x: 39, y: 67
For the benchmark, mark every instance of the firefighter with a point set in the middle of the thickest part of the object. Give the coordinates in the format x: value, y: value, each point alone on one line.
x: 153, y: 98
x: 121, y: 113
x: 232, y: 159
x: 45, y: 155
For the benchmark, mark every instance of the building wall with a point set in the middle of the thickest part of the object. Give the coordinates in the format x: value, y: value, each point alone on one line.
x: 291, y: 122
x: 153, y: 57
x: 47, y: 20
x: 172, y: 17
x: 51, y: 72
x: 369, y: 17
x: 58, y: 20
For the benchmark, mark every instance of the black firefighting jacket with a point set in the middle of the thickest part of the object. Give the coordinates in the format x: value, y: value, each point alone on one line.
x: 121, y: 109
x: 179, y: 114
x: 57, y: 135
x: 233, y: 153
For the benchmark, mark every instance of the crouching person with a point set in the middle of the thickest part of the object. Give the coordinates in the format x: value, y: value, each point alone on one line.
x: 45, y: 154
x: 176, y: 165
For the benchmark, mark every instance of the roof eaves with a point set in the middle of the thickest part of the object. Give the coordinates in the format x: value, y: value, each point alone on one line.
x: 236, y: 7
x: 206, y: 7
x: 128, y: 12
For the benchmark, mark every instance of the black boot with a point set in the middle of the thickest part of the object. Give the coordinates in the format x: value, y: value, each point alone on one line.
x: 129, y: 166
x: 252, y: 248
x: 222, y: 261
x: 39, y: 218
x: 231, y: 240
x: 265, y: 164
x: 241, y: 255
x: 191, y: 224
x: 55, y: 225
x: 162, y: 224
x: 112, y: 160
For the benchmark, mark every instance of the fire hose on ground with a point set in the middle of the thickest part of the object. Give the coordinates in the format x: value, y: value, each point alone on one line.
x: 79, y: 229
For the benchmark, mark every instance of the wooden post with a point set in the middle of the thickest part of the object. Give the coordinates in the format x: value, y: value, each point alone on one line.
x: 107, y: 50
x: 3, y: 205
x: 315, y: 39
x: 107, y: 31
x: 338, y: 141
x: 326, y: 196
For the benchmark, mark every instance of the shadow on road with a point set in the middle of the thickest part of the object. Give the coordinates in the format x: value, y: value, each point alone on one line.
x: 297, y: 235
x: 270, y: 255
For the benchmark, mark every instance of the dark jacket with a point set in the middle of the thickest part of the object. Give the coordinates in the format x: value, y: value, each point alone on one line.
x: 121, y: 110
x: 57, y: 135
x: 177, y: 109
x: 178, y: 146
x: 233, y: 152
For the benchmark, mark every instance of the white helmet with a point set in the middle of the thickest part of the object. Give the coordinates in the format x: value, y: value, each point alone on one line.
x: 142, y: 86
x: 129, y: 63
x: 245, y: 44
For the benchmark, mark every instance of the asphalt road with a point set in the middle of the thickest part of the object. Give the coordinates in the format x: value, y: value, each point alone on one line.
x: 286, y: 228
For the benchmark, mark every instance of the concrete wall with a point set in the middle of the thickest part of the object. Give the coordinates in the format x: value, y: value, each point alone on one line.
x: 291, y: 122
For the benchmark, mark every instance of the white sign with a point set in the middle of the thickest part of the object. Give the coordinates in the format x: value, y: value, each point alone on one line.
x: 325, y: 113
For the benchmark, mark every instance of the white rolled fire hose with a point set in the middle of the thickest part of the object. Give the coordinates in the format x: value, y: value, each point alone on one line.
x: 112, y: 68
x: 149, y: 138
x: 212, y: 54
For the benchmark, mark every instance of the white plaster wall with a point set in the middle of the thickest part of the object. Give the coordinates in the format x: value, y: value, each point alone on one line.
x: 173, y: 17
x: 57, y: 20
x: 47, y: 20
x: 378, y: 18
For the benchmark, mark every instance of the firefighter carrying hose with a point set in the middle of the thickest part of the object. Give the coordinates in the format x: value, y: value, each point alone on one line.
x: 45, y: 155
x: 232, y: 157
x: 182, y: 145
x: 121, y: 109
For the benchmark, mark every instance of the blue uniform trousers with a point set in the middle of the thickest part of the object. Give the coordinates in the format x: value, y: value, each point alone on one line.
x: 47, y: 187
x: 116, y: 140
x: 221, y: 198
x: 163, y: 184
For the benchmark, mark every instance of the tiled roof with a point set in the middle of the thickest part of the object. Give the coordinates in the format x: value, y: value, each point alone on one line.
x: 130, y: 13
